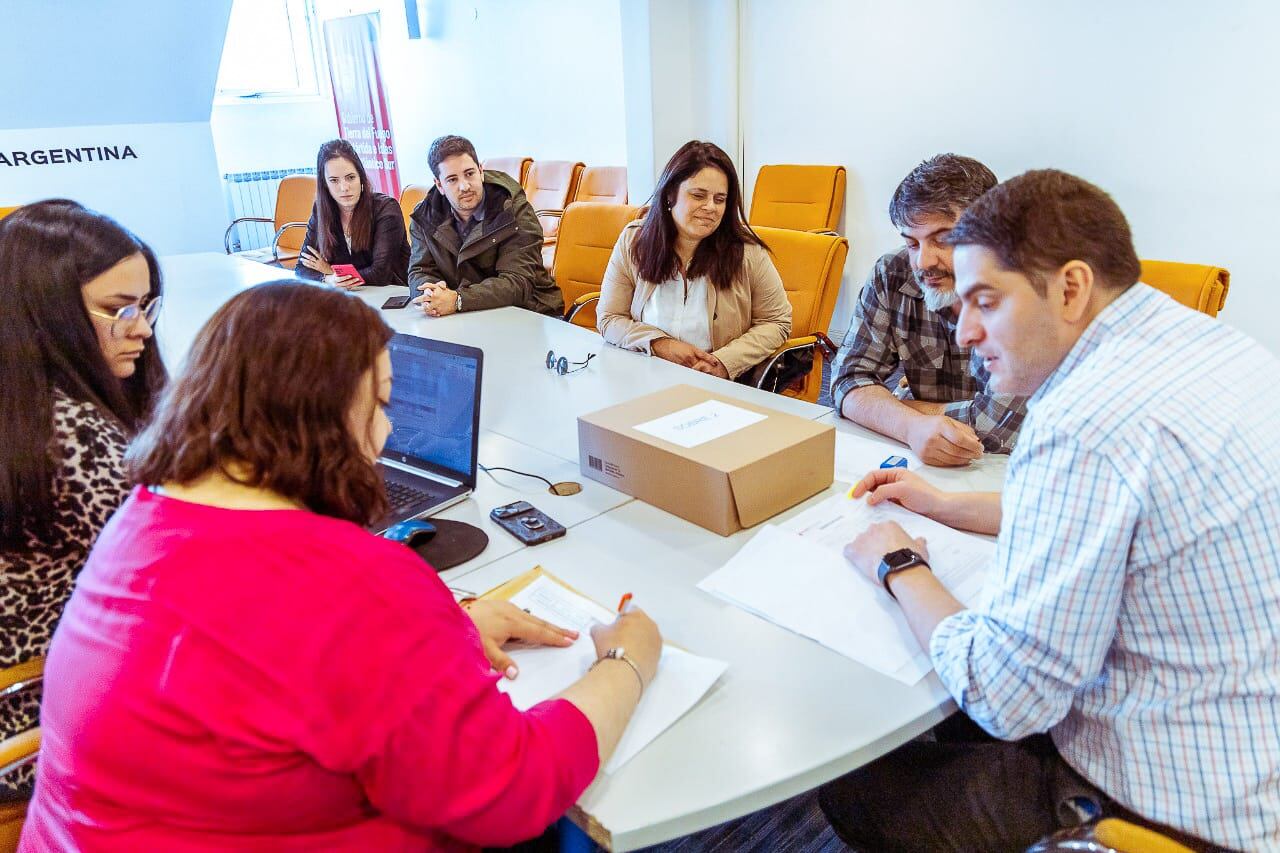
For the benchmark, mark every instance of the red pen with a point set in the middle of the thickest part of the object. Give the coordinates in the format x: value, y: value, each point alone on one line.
x: 622, y: 605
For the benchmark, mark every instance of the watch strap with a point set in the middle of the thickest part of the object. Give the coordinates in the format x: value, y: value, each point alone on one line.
x: 898, y: 561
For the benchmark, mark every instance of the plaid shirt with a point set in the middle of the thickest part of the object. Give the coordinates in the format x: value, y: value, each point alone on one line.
x: 1133, y: 605
x: 892, y: 327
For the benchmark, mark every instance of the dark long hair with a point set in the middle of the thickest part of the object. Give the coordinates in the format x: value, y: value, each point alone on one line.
x: 328, y: 217
x: 264, y: 397
x: 719, y: 255
x: 48, y: 251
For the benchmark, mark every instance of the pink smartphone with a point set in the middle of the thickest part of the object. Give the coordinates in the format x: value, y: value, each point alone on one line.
x: 347, y: 270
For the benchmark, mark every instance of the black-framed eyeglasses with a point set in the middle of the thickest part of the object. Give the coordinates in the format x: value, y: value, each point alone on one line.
x: 562, y: 365
x: 127, y: 315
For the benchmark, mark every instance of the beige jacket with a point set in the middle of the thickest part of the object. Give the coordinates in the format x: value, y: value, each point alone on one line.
x: 748, y: 321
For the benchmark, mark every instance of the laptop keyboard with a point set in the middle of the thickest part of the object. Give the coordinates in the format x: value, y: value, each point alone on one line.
x: 402, y: 496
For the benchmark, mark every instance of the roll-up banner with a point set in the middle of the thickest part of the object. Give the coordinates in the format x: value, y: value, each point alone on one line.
x: 355, y: 73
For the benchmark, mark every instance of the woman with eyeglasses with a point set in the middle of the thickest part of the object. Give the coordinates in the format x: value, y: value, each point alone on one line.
x: 78, y: 372
x: 352, y: 225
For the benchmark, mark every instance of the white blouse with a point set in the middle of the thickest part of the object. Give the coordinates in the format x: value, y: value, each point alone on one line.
x: 679, y: 308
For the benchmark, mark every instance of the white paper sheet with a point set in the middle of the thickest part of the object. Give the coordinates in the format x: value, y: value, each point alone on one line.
x: 797, y: 577
x: 699, y: 424
x: 682, y: 678
x: 856, y: 455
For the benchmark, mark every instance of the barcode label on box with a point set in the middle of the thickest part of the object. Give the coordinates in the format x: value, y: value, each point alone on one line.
x: 594, y: 462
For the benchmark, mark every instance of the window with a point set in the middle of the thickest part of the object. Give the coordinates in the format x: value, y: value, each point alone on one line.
x: 271, y: 50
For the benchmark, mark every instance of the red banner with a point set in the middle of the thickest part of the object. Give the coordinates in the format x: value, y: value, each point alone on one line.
x: 363, y: 120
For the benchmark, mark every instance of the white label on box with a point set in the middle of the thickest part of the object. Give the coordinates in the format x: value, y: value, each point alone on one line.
x: 699, y: 424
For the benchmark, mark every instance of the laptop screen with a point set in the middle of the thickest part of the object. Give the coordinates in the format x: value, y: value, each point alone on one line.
x: 435, y: 406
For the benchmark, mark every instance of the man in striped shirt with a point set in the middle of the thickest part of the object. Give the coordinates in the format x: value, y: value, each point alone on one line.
x: 1132, y: 612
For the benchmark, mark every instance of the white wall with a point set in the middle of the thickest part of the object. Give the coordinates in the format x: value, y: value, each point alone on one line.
x: 1170, y: 107
x: 541, y: 78
x: 112, y: 82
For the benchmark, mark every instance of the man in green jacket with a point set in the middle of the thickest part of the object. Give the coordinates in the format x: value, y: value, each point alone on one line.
x: 477, y: 242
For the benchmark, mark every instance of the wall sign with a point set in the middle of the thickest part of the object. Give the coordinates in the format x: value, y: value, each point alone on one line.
x: 363, y: 119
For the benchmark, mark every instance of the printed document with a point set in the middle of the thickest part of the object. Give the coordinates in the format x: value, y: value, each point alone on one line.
x: 699, y: 424
x: 682, y: 678
x: 795, y: 575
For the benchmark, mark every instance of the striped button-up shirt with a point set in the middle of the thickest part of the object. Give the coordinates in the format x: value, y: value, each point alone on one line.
x: 1133, y: 609
x: 892, y: 328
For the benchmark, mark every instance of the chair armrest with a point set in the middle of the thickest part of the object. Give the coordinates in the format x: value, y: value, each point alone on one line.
x: 19, y: 750
x: 22, y: 676
x: 275, y: 241
x: 226, y: 236
x: 824, y: 231
x: 580, y: 303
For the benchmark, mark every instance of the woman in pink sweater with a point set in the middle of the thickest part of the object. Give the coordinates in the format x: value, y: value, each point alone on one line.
x: 243, y: 666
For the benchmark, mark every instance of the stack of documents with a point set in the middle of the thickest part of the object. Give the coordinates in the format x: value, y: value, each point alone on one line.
x: 681, y: 681
x: 795, y: 575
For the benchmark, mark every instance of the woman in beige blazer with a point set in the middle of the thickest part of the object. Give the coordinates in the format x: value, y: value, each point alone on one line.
x: 691, y: 284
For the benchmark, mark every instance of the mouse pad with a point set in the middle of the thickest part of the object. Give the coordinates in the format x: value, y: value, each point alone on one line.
x: 455, y: 542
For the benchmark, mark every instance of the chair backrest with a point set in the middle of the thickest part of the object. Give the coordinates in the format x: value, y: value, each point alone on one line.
x: 516, y: 167
x: 550, y: 186
x: 811, y: 266
x: 603, y: 183
x: 5, y: 211
x: 803, y: 198
x: 1197, y: 286
x: 294, y: 200
x: 18, y: 750
x: 588, y: 233
x: 410, y: 197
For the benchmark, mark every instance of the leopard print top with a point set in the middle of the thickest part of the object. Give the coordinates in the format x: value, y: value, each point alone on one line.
x: 36, y: 581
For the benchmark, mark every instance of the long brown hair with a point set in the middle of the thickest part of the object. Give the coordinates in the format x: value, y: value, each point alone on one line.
x: 719, y: 255
x: 48, y: 251
x: 266, y: 390
x: 328, y: 217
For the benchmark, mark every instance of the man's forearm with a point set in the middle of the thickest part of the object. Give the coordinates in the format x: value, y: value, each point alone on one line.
x: 977, y: 512
x: 874, y: 407
x: 925, y: 408
x: 924, y: 600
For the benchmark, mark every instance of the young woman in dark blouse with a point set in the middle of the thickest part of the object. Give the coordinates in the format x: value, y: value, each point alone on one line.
x: 78, y: 372
x: 352, y: 224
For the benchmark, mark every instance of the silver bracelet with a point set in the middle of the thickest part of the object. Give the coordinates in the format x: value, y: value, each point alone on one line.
x: 620, y: 654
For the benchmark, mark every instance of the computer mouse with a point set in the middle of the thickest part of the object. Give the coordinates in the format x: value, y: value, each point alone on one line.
x: 413, y: 532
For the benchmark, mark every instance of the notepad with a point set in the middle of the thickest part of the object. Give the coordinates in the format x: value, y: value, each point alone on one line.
x: 682, y: 679
x: 796, y: 576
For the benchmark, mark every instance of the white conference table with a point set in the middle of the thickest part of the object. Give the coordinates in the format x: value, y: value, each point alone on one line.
x: 788, y: 714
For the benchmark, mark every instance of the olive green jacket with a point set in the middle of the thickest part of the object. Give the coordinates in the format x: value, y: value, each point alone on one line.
x: 500, y: 262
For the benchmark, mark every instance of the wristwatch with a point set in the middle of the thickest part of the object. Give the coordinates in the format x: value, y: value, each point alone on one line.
x: 458, y: 306
x: 897, y: 561
x: 620, y: 653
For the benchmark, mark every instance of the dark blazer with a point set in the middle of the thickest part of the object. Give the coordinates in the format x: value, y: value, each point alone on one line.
x: 500, y: 262
x: 385, y: 262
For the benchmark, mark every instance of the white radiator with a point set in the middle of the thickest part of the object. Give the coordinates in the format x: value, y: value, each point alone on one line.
x: 254, y: 194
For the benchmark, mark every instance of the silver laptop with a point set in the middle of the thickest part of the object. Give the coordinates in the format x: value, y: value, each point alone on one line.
x: 429, y: 461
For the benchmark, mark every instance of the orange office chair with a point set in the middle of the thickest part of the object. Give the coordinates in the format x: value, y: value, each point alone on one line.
x: 516, y: 167
x: 811, y: 266
x: 550, y: 186
x: 801, y: 198
x: 19, y: 750
x: 588, y: 232
x: 410, y: 197
x: 1109, y: 835
x: 5, y: 211
x: 603, y: 183
x: 1197, y: 286
x: 294, y: 200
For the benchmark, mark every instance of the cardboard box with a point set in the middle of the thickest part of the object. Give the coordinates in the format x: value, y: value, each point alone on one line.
x: 714, y: 460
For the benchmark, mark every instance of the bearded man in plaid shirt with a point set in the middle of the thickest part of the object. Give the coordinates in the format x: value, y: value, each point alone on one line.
x: 906, y: 321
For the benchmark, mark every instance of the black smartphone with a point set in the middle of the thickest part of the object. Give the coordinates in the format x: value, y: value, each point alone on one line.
x: 397, y: 302
x: 531, y: 526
